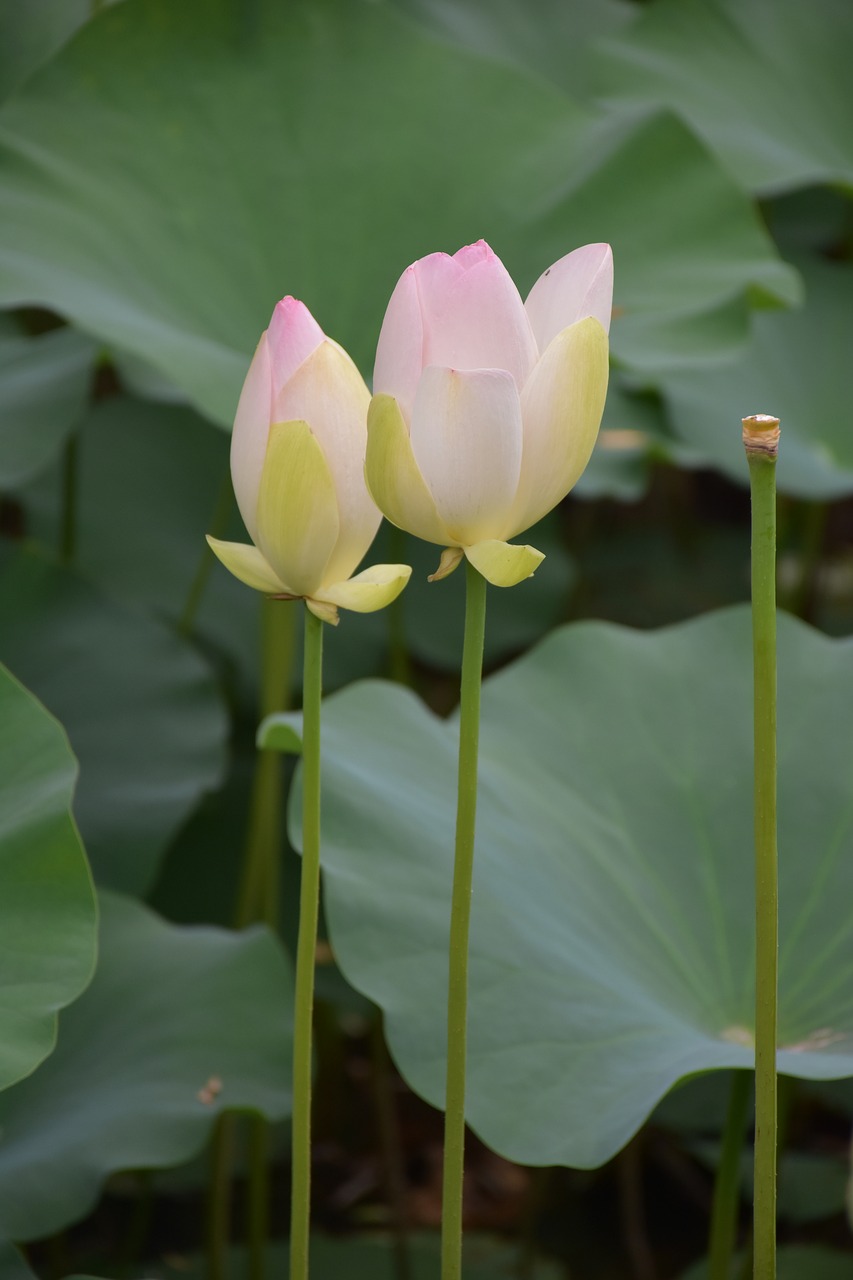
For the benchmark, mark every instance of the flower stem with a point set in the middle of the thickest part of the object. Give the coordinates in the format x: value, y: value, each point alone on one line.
x: 257, y: 900
x: 460, y: 918
x: 726, y: 1186
x: 761, y: 438
x: 68, y: 505
x: 206, y: 558
x: 309, y: 901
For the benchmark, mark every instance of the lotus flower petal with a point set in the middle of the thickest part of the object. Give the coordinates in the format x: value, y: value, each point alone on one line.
x: 562, y: 406
x: 369, y: 590
x: 298, y: 522
x: 393, y: 476
x: 467, y: 439
x: 502, y: 563
x: 579, y: 285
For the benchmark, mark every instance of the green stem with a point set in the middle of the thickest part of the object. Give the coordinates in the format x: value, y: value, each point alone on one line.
x: 460, y: 918
x: 219, y: 1197
x: 258, y: 900
x: 761, y: 455
x: 399, y: 662
x: 218, y: 523
x: 309, y: 902
x: 258, y: 1210
x: 727, y: 1186
x: 68, y: 509
x: 804, y: 597
x: 391, y: 1148
x: 259, y: 889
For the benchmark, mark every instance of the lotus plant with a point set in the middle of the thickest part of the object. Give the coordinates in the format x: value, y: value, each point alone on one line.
x: 297, y: 464
x: 485, y: 413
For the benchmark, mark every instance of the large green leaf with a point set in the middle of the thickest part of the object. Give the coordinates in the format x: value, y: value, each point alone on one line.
x: 551, y: 37
x: 797, y: 367
x: 796, y: 1262
x: 611, y: 944
x: 31, y: 33
x: 766, y: 82
x: 12, y: 1265
x: 44, y: 387
x: 176, y: 168
x: 170, y: 1010
x: 141, y: 708
x: 47, y: 904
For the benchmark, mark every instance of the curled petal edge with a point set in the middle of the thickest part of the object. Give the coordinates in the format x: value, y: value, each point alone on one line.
x: 249, y: 565
x: 323, y: 610
x: 372, y: 589
x: 451, y: 557
x: 502, y: 563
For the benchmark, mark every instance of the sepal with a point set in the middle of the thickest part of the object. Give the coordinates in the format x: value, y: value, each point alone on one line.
x: 502, y: 563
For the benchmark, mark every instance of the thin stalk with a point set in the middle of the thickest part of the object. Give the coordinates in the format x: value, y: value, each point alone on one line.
x: 258, y: 900
x: 259, y: 889
x: 309, y: 903
x: 727, y: 1185
x: 391, y: 1148
x: 629, y: 1165
x: 68, y: 507
x: 219, y: 1198
x: 218, y: 523
x: 399, y: 661
x: 804, y: 596
x: 258, y: 1208
x: 761, y: 438
x: 460, y: 919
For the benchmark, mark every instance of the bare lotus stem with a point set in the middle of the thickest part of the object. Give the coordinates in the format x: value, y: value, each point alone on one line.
x: 761, y: 440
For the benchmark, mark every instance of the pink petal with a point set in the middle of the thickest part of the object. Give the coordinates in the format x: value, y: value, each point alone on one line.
x: 250, y: 435
x: 399, y: 352
x: 293, y: 334
x: 579, y: 285
x: 473, y: 316
x: 467, y: 440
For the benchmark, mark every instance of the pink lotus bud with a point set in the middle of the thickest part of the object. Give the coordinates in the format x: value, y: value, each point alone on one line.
x: 297, y: 463
x: 486, y: 409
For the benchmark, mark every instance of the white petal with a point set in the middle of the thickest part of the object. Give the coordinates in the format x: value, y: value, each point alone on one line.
x: 328, y: 392
x: 579, y: 285
x: 466, y: 438
x: 250, y: 435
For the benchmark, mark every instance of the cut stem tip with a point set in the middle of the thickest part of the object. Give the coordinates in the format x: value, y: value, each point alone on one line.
x: 761, y: 435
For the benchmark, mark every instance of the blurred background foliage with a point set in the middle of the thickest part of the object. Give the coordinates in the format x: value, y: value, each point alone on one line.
x: 167, y: 172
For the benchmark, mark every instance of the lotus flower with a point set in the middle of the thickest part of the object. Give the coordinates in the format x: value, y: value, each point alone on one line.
x: 486, y: 409
x: 297, y: 464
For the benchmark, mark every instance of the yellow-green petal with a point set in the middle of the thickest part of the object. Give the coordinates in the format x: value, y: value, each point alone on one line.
x: 323, y: 610
x: 503, y: 564
x: 369, y: 590
x: 450, y: 559
x: 561, y: 406
x: 247, y: 564
x: 297, y: 513
x: 393, y: 476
